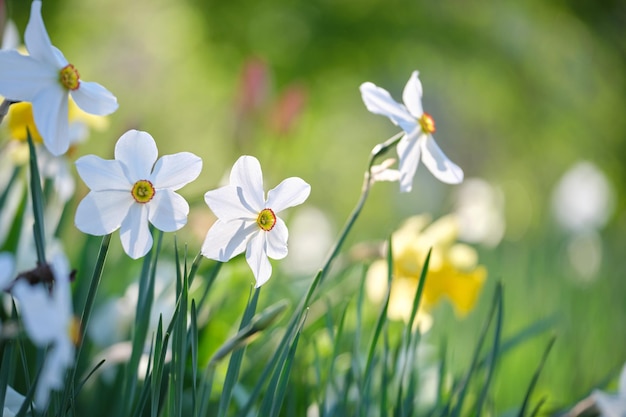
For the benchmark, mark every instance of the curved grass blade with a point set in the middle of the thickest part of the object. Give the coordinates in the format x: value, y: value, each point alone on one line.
x: 493, y: 357
x: 37, y: 199
x: 234, y: 365
x: 535, y: 378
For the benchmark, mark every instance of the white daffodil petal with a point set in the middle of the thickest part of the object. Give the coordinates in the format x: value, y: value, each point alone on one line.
x: 288, y: 193
x: 137, y: 152
x: 176, y: 171
x: 60, y: 357
x: 102, y: 212
x: 277, y: 240
x: 412, y: 95
x: 257, y: 259
x: 379, y: 101
x: 93, y: 98
x: 438, y: 163
x: 36, y: 306
x: 13, y: 401
x: 37, y: 39
x: 102, y: 174
x: 409, y: 154
x: 168, y: 210
x: 135, y: 233
x: 50, y: 111
x: 228, y: 204
x: 7, y: 267
x: 247, y: 175
x: 22, y: 77
x: 226, y: 240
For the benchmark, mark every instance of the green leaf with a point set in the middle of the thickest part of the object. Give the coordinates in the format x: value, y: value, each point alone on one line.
x: 535, y: 378
x: 37, y: 199
x: 493, y: 357
x: 234, y: 365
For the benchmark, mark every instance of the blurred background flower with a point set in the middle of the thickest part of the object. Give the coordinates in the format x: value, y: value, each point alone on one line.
x: 453, y: 270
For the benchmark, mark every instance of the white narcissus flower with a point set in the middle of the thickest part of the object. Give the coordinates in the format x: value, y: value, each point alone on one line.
x: 612, y: 405
x: 7, y: 268
x: 248, y: 221
x: 132, y: 190
x: 46, y: 79
x: 417, y: 142
x: 48, y: 319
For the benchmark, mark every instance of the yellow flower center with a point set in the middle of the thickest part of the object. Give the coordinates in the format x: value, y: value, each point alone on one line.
x: 427, y: 123
x: 143, y: 191
x: 266, y: 219
x: 69, y: 77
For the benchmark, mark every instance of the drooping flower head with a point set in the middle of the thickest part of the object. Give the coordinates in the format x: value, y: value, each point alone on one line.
x: 417, y: 143
x: 47, y: 80
x: 453, y: 271
x: 46, y: 311
x: 132, y: 190
x: 248, y: 220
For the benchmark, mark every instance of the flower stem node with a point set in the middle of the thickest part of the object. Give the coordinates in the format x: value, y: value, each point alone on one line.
x: 143, y: 191
x: 266, y: 219
x: 69, y: 77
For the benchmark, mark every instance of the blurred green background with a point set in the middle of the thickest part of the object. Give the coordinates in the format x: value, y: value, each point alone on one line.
x: 520, y: 91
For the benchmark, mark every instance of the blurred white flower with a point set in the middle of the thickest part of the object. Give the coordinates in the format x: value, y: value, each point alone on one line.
x: 47, y: 80
x: 612, y: 405
x: 13, y: 401
x: 308, y: 246
x: 7, y: 269
x: 132, y: 190
x: 480, y: 212
x: 247, y: 220
x: 417, y: 143
x: 583, y: 199
x: 112, y: 321
x: 46, y: 311
x: 582, y: 203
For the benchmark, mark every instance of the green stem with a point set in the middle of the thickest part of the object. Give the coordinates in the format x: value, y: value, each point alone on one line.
x: 84, y: 320
x: 378, y: 150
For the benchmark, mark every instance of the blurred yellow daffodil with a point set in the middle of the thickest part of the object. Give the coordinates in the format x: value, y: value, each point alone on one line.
x: 20, y: 118
x: 453, y: 271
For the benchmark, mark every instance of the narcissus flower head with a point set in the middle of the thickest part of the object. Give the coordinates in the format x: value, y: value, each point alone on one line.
x: 248, y: 220
x: 47, y: 80
x: 418, y: 142
x: 133, y: 190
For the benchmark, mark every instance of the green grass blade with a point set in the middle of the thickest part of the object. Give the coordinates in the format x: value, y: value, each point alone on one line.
x: 5, y: 370
x: 330, y: 382
x: 281, y: 389
x: 144, y: 306
x: 535, y: 378
x: 9, y: 185
x: 193, y: 342
x: 464, y: 385
x: 380, y: 322
x: 37, y: 200
x: 295, y: 319
x: 493, y: 357
x: 179, y: 338
x: 234, y: 365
